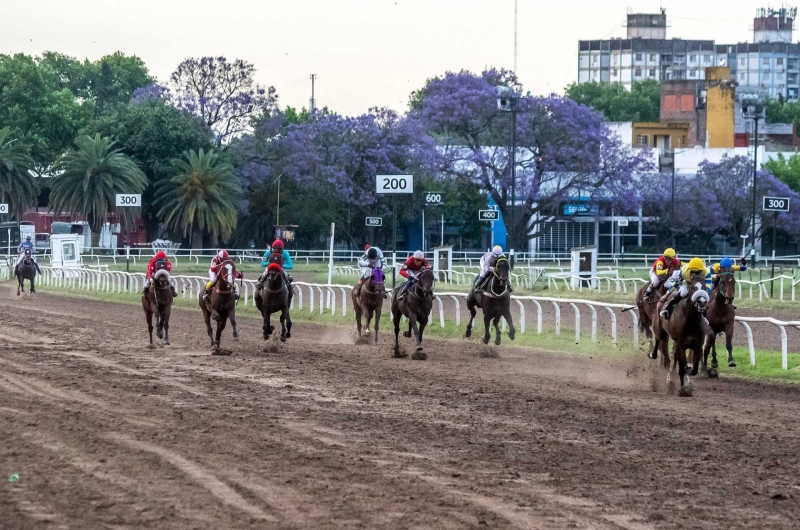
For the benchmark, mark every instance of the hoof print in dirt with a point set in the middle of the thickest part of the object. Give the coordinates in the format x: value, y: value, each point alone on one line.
x: 221, y: 352
x: 399, y: 353
x: 488, y: 353
x: 712, y: 373
x: 686, y: 391
x: 420, y: 355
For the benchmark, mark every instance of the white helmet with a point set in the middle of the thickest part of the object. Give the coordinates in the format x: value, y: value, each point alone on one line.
x: 497, y: 250
x: 419, y: 255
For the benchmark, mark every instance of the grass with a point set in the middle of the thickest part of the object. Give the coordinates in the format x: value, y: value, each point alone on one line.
x: 768, y: 363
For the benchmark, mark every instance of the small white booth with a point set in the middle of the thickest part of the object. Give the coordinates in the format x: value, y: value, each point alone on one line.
x: 584, y: 264
x: 66, y: 252
x: 442, y: 263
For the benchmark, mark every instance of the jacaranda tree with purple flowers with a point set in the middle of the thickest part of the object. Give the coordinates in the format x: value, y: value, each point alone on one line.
x: 564, y: 150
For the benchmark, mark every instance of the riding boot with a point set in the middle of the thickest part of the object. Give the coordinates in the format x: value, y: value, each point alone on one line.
x: 510, y: 289
x: 667, y: 311
x: 174, y: 292
x: 16, y: 271
x: 358, y: 287
x: 648, y: 293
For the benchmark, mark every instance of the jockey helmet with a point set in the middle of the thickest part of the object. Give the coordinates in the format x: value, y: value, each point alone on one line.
x: 372, y: 253
x: 161, y: 255
x: 27, y: 238
x: 497, y: 250
x: 669, y: 253
x: 277, y: 244
x: 697, y: 264
x: 222, y: 254
x: 366, y: 247
x: 726, y: 263
x: 419, y: 255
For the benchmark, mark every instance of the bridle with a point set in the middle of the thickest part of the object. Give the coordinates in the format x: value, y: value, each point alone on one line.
x: 728, y: 299
x: 417, y: 288
x: 228, y: 279
x: 503, y: 283
x: 272, y: 276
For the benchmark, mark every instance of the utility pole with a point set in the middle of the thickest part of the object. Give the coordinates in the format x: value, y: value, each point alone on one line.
x: 752, y: 108
x: 515, y: 37
x: 312, y: 105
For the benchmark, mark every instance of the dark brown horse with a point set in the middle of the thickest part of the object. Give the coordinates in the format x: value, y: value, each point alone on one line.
x: 273, y: 295
x: 647, y: 308
x: 416, y: 307
x: 222, y: 305
x: 721, y: 318
x: 158, y: 301
x: 685, y: 327
x: 370, y: 301
x: 495, y: 301
x: 26, y: 271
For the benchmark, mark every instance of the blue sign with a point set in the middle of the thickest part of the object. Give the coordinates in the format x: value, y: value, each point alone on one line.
x: 580, y: 209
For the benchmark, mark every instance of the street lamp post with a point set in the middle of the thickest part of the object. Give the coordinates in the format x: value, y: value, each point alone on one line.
x: 508, y: 101
x: 753, y: 109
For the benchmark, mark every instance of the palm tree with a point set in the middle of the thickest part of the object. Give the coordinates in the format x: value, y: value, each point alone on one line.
x: 202, y: 197
x: 17, y: 185
x: 89, y: 178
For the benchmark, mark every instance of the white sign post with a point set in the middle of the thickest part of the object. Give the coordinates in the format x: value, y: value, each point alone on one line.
x: 330, y: 258
x: 394, y: 184
x: 131, y: 200
x: 3, y: 208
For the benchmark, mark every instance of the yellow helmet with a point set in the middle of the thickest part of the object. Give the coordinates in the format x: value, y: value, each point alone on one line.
x: 697, y: 264
x: 669, y: 253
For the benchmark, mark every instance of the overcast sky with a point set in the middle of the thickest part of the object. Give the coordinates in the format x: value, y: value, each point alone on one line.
x: 365, y: 52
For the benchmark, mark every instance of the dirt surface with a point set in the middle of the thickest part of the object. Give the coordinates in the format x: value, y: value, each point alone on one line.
x: 322, y: 433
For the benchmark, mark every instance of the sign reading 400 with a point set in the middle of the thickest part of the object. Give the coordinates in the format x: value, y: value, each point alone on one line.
x: 394, y: 183
x: 133, y: 200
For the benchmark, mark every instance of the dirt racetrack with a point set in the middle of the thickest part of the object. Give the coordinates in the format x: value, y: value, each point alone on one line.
x: 321, y: 433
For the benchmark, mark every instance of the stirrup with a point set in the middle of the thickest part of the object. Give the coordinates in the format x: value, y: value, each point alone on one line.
x: 665, y: 314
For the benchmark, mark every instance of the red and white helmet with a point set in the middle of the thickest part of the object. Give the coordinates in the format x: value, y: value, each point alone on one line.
x: 277, y: 244
x: 222, y: 254
x: 161, y: 255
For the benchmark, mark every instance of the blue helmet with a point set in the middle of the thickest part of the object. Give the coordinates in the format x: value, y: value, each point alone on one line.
x: 726, y: 263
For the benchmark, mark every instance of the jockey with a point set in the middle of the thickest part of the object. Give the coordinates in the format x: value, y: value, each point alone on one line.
x: 216, y: 264
x: 662, y: 270
x: 277, y: 254
x: 151, y: 268
x: 27, y: 244
x: 726, y: 265
x: 488, y: 261
x: 683, y: 278
x: 413, y: 266
x: 372, y: 259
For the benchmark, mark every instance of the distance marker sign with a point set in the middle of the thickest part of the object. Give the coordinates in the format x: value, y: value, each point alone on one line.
x: 488, y: 215
x: 133, y: 200
x: 776, y: 204
x: 3, y: 208
x: 394, y: 183
x: 374, y: 221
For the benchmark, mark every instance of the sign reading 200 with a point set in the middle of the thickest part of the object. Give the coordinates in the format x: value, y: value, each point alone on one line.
x: 394, y: 184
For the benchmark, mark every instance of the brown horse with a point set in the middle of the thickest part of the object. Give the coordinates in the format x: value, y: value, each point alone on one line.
x: 495, y: 301
x: 721, y: 318
x: 26, y: 271
x: 647, y: 308
x: 370, y: 301
x: 416, y: 307
x: 158, y: 301
x: 273, y: 295
x: 222, y: 305
x: 685, y: 327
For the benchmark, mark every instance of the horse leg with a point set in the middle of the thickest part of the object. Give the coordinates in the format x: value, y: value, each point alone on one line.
x: 159, y: 324
x: 496, y: 323
x: 487, y: 326
x: 149, y: 316
x: 220, y: 328
x: 708, y: 347
x: 471, y: 307
x: 267, y: 327
x: 377, y: 321
x: 407, y: 334
x: 729, y: 343
x: 288, y: 322
x: 696, y: 351
x: 396, y: 321
x: 165, y: 321
x: 511, y: 330
x: 282, y: 319
x: 370, y: 314
x: 21, y: 286
x: 207, y: 318
x: 33, y: 287
x: 358, y: 319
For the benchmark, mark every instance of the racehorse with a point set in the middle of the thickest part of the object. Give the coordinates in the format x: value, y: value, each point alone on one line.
x: 685, y: 327
x: 158, y: 301
x: 370, y: 301
x: 647, y: 309
x: 275, y: 295
x: 721, y: 318
x: 222, y: 305
x: 416, y: 307
x: 495, y: 301
x: 26, y: 271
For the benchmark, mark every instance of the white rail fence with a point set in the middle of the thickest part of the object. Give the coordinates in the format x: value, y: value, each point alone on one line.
x: 334, y: 299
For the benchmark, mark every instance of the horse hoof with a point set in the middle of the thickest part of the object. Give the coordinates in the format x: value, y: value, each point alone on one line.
x: 712, y: 373
x: 288, y: 335
x: 420, y: 355
x: 714, y: 364
x: 399, y: 354
x: 511, y: 336
x: 283, y: 339
x: 235, y: 335
x: 468, y: 333
x: 686, y: 391
x: 159, y: 335
x: 653, y: 355
x: 732, y: 364
x: 407, y: 334
x: 166, y: 342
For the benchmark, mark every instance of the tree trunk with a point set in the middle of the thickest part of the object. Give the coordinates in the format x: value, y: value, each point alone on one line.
x: 197, y: 238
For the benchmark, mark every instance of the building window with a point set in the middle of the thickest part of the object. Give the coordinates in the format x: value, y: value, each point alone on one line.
x: 692, y: 58
x: 741, y: 76
x: 653, y: 73
x: 594, y: 59
x: 638, y: 56
x: 683, y: 141
x: 742, y: 61
x: 765, y: 61
x: 779, y: 61
x: 692, y: 73
x: 652, y: 56
x: 614, y: 72
x: 707, y: 59
x: 641, y: 140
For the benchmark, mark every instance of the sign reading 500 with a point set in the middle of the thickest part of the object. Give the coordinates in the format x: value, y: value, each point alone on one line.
x: 394, y: 184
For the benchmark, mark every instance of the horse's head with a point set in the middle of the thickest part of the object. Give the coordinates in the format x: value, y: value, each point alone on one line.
x: 161, y: 276
x: 425, y: 282
x: 727, y: 286
x: 377, y: 278
x: 226, y: 272
x: 699, y: 297
x: 502, y: 270
x: 274, y: 272
x: 27, y: 255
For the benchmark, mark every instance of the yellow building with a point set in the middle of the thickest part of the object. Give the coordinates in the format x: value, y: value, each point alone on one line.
x: 665, y: 137
x: 720, y: 107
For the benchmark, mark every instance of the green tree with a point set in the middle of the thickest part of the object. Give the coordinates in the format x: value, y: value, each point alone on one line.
x: 39, y: 112
x: 152, y: 133
x: 89, y: 177
x: 787, y: 170
x: 17, y: 185
x: 642, y: 103
x: 202, y: 198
